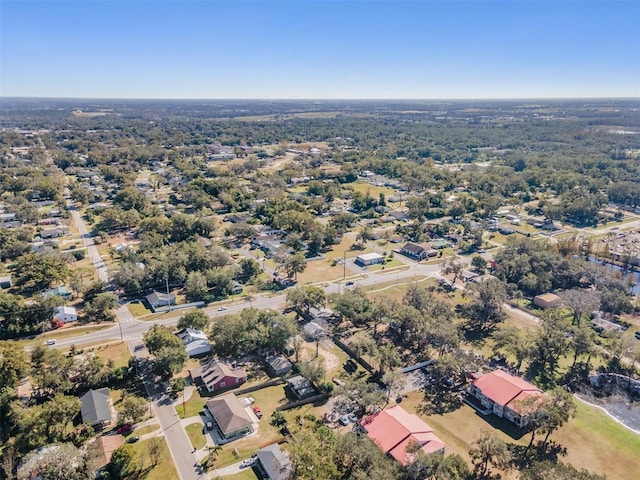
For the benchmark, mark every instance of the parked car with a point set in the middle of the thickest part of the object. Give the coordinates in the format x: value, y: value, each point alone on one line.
x: 50, y: 342
x: 247, y: 462
x: 344, y: 420
x: 209, y: 425
x: 124, y: 429
x: 133, y: 439
x: 352, y: 417
x: 258, y: 412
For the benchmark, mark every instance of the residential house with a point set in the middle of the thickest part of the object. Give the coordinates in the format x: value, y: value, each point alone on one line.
x: 106, y: 445
x: 54, y: 232
x: 96, y: 408
x: 215, y: 376
x: 159, y: 299
x: 300, y: 387
x: 188, y: 335
x: 5, y: 282
x: 547, y: 300
x: 395, y: 429
x: 7, y: 217
x: 236, y: 288
x: 507, y: 396
x: 196, y: 342
x: 278, y: 365
x: 273, y: 463
x: 65, y: 314
x: 418, y: 252
x: 63, y: 292
x: 313, y: 331
x: 440, y: 244
x: 231, y: 417
x: 369, y: 259
x: 198, y: 348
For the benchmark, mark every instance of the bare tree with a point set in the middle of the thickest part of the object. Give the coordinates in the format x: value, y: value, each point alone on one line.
x: 580, y: 301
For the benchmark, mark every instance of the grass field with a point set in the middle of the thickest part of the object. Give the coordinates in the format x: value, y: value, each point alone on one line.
x: 117, y: 352
x: 138, y: 309
x: 321, y: 271
x: 373, y: 190
x: 193, y: 406
x: 246, y: 474
x: 144, y: 430
x: 165, y: 470
x: 194, y: 432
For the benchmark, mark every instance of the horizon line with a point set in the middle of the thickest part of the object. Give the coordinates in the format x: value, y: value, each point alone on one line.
x: 275, y: 99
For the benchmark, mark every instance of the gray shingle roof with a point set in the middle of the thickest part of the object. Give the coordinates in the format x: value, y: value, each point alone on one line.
x: 275, y: 462
x: 95, y: 406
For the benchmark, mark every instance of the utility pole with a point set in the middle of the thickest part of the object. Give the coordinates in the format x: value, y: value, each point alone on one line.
x: 168, y: 295
x: 344, y: 265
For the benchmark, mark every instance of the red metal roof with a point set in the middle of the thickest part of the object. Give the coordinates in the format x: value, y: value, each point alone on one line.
x: 394, y: 428
x: 501, y: 387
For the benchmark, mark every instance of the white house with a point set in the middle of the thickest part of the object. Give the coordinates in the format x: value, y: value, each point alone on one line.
x: 195, y: 341
x: 197, y: 347
x: 188, y: 335
x: 65, y: 314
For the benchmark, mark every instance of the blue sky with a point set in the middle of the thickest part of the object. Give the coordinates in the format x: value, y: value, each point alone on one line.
x: 328, y: 49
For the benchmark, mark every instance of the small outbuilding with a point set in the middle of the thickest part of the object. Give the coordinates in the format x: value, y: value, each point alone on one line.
x: 300, y: 387
x: 5, y: 282
x: 278, y: 365
x: 547, y: 300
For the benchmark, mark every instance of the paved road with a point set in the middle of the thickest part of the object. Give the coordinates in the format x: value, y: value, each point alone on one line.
x: 177, y: 440
x: 92, y: 250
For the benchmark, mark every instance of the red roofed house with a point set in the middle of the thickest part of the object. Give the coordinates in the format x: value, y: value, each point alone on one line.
x: 394, y: 429
x: 215, y: 376
x: 507, y: 396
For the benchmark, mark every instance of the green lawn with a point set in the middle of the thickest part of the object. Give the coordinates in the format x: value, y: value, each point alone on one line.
x: 193, y: 406
x: 144, y: 430
x: 138, y: 309
x: 165, y: 470
x: 194, y: 432
x: 246, y: 474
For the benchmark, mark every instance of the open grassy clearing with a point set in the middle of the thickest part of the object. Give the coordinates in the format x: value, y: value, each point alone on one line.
x: 117, y: 352
x: 138, y: 309
x: 246, y: 474
x: 147, y: 429
x: 165, y: 469
x: 382, y: 286
x: 374, y: 190
x: 339, y: 250
x: 322, y: 271
x: 191, y: 407
x: 392, y: 263
x: 196, y: 437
